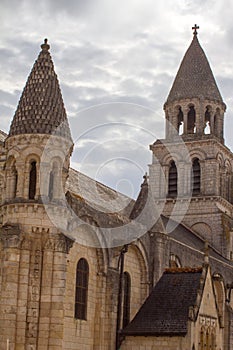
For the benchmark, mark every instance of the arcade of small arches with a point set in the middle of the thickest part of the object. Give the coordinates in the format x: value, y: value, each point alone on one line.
x: 188, y: 119
x: 23, y: 179
x: 195, y: 178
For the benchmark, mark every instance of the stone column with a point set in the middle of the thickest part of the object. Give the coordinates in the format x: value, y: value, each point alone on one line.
x: 53, y: 287
x: 23, y: 278
x: 10, y: 238
x: 185, y: 114
x: 21, y: 180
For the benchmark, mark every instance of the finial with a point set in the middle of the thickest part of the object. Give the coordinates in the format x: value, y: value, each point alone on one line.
x: 145, y: 177
x: 195, y: 29
x: 45, y: 46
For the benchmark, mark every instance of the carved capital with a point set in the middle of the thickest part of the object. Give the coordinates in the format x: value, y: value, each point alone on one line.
x: 10, y: 236
x: 59, y: 243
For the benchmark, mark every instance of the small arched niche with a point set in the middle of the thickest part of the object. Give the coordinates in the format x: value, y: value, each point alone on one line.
x: 11, y: 178
x: 53, y: 181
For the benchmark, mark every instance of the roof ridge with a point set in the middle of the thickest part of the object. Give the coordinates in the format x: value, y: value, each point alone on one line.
x: 184, y: 269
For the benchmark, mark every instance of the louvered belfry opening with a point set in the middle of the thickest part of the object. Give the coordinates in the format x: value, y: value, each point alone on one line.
x: 172, y: 180
x: 196, y: 177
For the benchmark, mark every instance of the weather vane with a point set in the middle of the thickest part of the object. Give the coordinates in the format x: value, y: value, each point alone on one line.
x: 195, y: 29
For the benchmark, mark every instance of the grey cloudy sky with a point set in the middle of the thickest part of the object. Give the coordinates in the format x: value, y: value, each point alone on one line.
x: 116, y: 61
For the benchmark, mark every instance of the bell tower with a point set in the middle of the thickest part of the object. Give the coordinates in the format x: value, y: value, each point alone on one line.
x: 33, y: 248
x: 191, y: 170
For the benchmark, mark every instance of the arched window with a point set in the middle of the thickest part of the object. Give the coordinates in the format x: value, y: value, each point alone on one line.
x: 172, y: 180
x: 82, y: 276
x: 32, y: 180
x: 196, y: 177
x: 191, y: 120
x: 126, y: 300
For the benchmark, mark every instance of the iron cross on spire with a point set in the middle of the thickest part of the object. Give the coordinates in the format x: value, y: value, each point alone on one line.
x: 195, y: 29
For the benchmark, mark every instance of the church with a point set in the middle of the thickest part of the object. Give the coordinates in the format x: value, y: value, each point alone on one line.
x: 151, y: 274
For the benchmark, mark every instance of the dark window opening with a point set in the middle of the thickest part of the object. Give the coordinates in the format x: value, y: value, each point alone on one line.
x: 172, y: 180
x: 180, y: 121
x: 15, y: 181
x: 191, y: 120
x: 32, y: 181
x: 126, y: 300
x: 196, y: 177
x: 207, y: 121
x: 82, y: 276
x: 51, y: 185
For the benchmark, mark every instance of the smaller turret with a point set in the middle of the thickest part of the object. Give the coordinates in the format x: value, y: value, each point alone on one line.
x: 194, y: 105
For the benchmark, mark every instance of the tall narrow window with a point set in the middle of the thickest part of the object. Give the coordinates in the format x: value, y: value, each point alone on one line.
x: 207, y: 341
x: 207, y: 120
x: 180, y: 122
x: 82, y: 276
x: 196, y: 177
x: 202, y: 339
x: 15, y: 181
x: 191, y: 120
x: 126, y: 300
x: 213, y: 340
x: 51, y: 185
x: 32, y: 181
x: 172, y: 180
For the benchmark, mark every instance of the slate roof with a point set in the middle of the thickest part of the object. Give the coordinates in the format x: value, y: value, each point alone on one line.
x: 41, y: 109
x: 96, y: 194
x: 166, y: 310
x: 194, y: 77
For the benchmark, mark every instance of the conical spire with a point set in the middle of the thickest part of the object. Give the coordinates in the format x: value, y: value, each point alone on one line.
x: 41, y: 109
x: 194, y: 78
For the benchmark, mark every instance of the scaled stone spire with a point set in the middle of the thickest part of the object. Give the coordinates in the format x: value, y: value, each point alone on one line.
x: 194, y: 78
x: 41, y: 109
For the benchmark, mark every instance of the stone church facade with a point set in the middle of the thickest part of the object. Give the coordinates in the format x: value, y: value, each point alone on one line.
x: 69, y: 279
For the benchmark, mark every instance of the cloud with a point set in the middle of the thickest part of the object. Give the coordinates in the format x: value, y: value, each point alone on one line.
x: 115, y: 61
